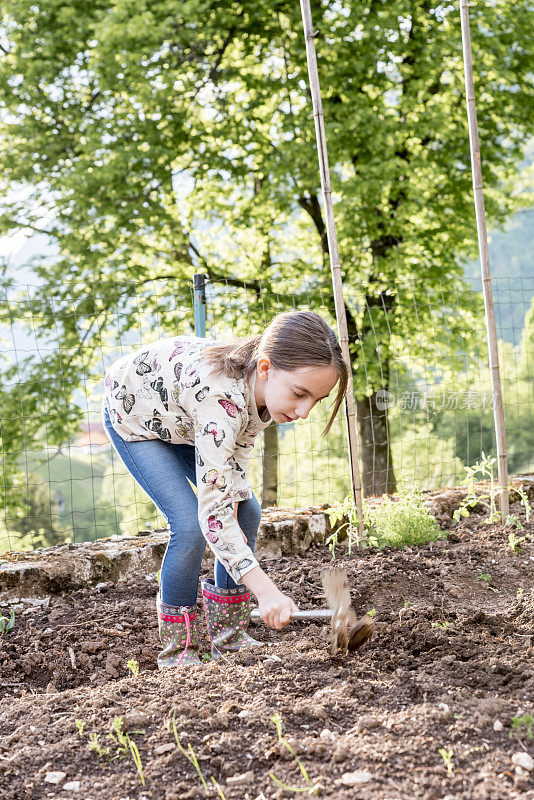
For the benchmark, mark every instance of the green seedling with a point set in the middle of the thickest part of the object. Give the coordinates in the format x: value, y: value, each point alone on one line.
x: 524, y: 502
x: 136, y: 759
x: 310, y: 788
x: 447, y: 758
x: 133, y: 667
x: 482, y: 469
x: 522, y: 727
x: 125, y: 745
x: 122, y: 741
x: 372, y: 612
x: 192, y: 758
x: 515, y: 541
x: 96, y: 747
x: 443, y: 624
x: 486, y: 578
x: 7, y: 623
x: 519, y: 593
x: 339, y: 511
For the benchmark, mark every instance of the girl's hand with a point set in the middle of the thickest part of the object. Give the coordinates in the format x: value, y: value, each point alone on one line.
x: 275, y: 607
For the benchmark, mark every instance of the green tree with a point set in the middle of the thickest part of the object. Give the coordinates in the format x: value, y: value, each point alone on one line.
x: 163, y: 139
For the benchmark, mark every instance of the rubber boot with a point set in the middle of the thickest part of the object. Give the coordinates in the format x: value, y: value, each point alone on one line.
x: 227, y: 616
x: 178, y: 635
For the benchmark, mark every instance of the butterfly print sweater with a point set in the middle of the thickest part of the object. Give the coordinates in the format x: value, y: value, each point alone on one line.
x: 165, y: 391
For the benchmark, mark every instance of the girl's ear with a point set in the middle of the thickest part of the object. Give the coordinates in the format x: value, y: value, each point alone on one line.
x: 264, y: 365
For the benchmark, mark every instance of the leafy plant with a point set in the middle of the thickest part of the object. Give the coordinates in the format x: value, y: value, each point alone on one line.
x: 310, y: 788
x: 447, y: 758
x: 524, y: 502
x: 122, y: 741
x: 7, y: 623
x: 515, y: 541
x: 96, y: 747
x: 443, y: 624
x: 486, y: 578
x: 481, y: 470
x: 519, y: 593
x: 397, y: 522
x: 522, y: 727
x: 402, y: 521
x: 337, y: 512
x: 133, y: 667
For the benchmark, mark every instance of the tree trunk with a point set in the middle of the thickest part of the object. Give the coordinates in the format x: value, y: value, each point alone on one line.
x: 270, y: 466
x: 375, y: 451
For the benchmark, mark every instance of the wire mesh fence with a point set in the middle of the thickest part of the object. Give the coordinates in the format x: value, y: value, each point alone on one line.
x: 421, y: 379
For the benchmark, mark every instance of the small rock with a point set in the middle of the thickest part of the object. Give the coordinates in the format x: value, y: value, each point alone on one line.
x: 444, y: 707
x: 100, y: 586
x: 243, y: 714
x: 524, y: 761
x: 356, y: 778
x: 497, y: 725
x: 272, y: 658
x: 327, y: 736
x: 72, y: 786
x: 163, y: 748
x: 55, y: 777
x: 241, y: 780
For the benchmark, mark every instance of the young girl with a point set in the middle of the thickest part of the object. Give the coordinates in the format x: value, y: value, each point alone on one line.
x: 185, y: 411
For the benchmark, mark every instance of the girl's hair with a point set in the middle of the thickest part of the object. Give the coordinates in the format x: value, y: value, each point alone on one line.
x: 292, y: 339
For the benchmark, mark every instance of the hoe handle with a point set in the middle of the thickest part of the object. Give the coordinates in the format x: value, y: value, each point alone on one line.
x: 313, y: 613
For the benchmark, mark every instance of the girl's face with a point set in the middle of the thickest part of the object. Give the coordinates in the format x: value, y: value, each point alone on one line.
x: 291, y: 395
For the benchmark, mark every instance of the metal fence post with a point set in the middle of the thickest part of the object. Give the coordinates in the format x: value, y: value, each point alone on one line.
x: 199, y: 303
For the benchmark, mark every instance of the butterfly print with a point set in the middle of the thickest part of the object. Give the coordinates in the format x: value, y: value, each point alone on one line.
x: 243, y: 564
x: 142, y: 367
x: 198, y: 458
x: 231, y: 409
x: 179, y: 348
x: 218, y: 435
x: 188, y: 384
x: 177, y: 370
x: 156, y: 426
x: 233, y: 463
x: 110, y: 383
x: 202, y: 393
x: 115, y: 416
x: 184, y: 429
x: 215, y: 479
x: 159, y: 387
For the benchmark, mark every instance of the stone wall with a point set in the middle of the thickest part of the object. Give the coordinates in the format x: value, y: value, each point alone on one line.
x: 283, y: 531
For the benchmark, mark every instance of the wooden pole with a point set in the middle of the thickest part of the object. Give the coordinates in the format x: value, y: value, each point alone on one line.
x: 350, y: 410
x: 491, y: 330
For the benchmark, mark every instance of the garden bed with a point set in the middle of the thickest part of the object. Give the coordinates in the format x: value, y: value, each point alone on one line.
x: 449, y: 667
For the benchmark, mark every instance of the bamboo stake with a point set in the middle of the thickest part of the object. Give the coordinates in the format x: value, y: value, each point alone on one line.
x: 350, y: 411
x: 491, y: 330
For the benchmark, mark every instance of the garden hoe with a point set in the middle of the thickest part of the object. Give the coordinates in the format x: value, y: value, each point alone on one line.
x: 345, y: 632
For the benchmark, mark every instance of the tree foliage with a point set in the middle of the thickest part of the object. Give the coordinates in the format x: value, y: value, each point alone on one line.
x: 154, y: 140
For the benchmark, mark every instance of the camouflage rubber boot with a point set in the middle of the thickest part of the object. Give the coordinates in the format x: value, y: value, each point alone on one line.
x: 178, y: 635
x: 227, y: 615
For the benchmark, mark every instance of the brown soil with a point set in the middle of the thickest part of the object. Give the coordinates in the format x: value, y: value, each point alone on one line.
x: 449, y: 659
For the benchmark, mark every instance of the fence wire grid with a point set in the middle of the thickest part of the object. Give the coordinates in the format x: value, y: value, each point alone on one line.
x: 421, y: 377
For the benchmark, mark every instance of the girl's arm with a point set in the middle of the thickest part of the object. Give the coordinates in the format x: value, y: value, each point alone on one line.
x: 275, y: 607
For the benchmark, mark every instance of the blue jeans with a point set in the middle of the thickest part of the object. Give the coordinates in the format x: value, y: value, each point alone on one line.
x: 161, y: 469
